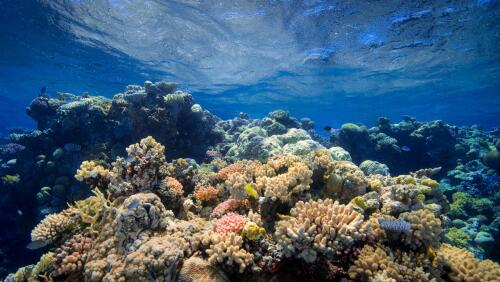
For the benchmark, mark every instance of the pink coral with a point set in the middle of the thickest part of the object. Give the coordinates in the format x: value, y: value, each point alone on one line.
x: 227, y: 206
x: 71, y: 256
x: 231, y: 222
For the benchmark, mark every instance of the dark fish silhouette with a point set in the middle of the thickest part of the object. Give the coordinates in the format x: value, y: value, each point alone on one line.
x: 43, y: 92
x: 35, y: 245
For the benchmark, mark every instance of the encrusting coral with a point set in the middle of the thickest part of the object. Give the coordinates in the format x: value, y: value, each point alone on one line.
x: 159, y: 221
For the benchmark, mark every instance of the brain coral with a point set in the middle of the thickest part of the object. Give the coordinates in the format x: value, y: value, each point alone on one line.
x: 318, y: 227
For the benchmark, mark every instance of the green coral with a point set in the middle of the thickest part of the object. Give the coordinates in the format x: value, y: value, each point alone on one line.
x: 482, y: 205
x: 461, y: 202
x: 43, y: 266
x: 91, y: 209
x: 359, y: 202
x: 11, y: 179
x: 457, y: 237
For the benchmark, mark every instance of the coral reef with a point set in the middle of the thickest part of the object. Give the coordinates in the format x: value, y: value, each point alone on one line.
x: 250, y: 199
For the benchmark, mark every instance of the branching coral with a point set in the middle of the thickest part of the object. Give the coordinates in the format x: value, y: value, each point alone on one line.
x: 227, y: 248
x: 93, y: 174
x: 205, y: 193
x: 319, y: 227
x: 425, y: 228
x: 460, y: 265
x: 292, y: 178
x: 142, y: 170
x: 52, y: 227
x: 377, y: 262
x: 230, y: 222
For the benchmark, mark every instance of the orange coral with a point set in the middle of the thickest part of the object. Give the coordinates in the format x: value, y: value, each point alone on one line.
x: 174, y: 185
x: 205, y: 193
x: 228, y: 170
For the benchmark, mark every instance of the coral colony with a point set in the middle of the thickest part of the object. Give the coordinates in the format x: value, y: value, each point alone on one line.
x: 196, y: 198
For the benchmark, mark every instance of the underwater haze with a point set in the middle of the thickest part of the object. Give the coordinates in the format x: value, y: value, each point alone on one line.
x: 278, y: 140
x: 332, y: 61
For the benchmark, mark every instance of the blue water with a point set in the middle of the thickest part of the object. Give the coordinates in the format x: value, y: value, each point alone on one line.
x: 333, y: 61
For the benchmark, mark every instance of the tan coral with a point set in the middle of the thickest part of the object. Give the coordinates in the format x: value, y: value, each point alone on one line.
x: 345, y: 181
x: 52, y: 227
x: 92, y: 173
x: 196, y: 269
x: 425, y: 229
x: 227, y: 248
x: 319, y: 227
x: 460, y: 265
x: 377, y: 263
x: 295, y: 179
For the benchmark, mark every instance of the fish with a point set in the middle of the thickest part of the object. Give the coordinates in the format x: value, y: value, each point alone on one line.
x: 19, y: 212
x: 38, y: 244
x: 329, y: 129
x: 405, y: 148
x: 43, y: 92
x: 135, y: 202
x: 397, y: 226
x: 251, y: 191
x: 72, y: 147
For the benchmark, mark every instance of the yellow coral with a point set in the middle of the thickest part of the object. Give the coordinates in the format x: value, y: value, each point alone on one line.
x: 430, y: 182
x: 252, y: 231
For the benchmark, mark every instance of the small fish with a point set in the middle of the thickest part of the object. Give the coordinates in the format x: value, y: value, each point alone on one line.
x: 405, y: 148
x: 35, y: 245
x: 19, y: 212
x: 329, y: 129
x: 251, y: 191
x: 134, y: 204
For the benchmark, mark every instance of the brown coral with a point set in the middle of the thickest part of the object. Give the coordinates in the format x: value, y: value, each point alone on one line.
x: 196, y: 269
x: 173, y: 185
x: 227, y: 248
x: 224, y: 173
x: 71, y: 256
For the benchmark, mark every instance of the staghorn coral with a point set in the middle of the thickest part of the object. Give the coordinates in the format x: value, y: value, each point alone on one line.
x: 460, y: 265
x: 425, y: 228
x: 90, y: 210
x: 319, y: 227
x: 230, y: 222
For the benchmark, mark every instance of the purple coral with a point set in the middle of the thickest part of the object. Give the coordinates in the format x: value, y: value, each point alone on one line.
x: 11, y: 149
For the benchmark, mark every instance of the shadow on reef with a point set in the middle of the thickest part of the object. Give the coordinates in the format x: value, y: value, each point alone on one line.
x: 265, y: 197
